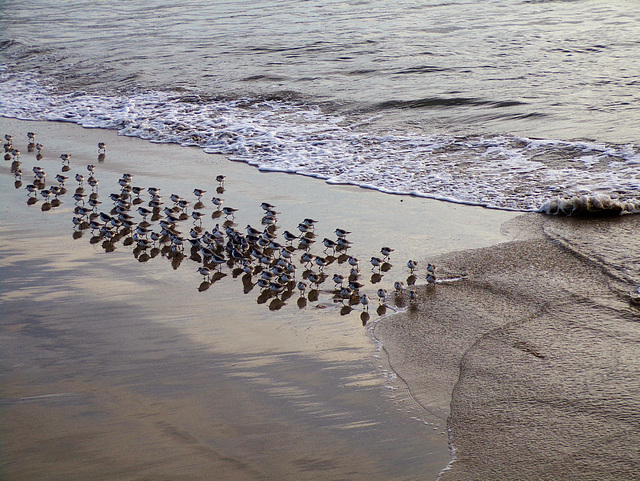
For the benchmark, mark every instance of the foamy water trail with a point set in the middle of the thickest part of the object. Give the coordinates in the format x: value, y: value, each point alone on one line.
x: 499, y: 172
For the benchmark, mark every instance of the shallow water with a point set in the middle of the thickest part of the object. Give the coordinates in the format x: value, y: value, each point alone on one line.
x: 537, y: 344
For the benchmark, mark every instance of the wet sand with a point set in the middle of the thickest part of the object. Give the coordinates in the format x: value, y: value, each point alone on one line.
x: 536, y: 349
x: 524, y: 352
x: 115, y: 368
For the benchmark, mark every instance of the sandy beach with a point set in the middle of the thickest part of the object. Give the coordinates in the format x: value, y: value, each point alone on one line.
x: 536, y: 349
x: 522, y: 356
x: 117, y: 367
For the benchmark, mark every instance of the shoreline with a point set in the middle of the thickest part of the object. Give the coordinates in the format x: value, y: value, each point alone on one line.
x: 515, y: 344
x: 58, y: 287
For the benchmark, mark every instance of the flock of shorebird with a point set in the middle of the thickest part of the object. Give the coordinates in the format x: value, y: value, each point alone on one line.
x: 173, y: 227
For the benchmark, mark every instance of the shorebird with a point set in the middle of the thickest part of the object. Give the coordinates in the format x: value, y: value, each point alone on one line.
x: 220, y: 179
x: 40, y: 174
x: 304, y: 228
x: 320, y: 262
x: 288, y: 236
x: 306, y: 258
x: 386, y: 252
x: 61, y: 179
x: 32, y: 137
x: 65, y: 158
x: 39, y: 147
x: 431, y: 279
x: 431, y: 268
x: 382, y: 295
x: 267, y: 206
x: 345, y: 292
x: 398, y: 286
x: 229, y: 211
x: 338, y: 279
x: 311, y: 223
x: 353, y: 262
x: 217, y: 201
x: 343, y: 243
x: 205, y: 271
x: 342, y: 233
x: 102, y: 147
x: 411, y: 264
x: 329, y: 244
x: 364, y: 300
x: 199, y: 193
x: 80, y: 179
x: 46, y: 193
x: 302, y: 286
x: 91, y: 168
x: 376, y: 262
x: 314, y: 278
x: 305, y: 242
x: 124, y: 182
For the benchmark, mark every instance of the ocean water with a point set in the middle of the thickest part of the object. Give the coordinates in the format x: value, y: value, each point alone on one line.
x: 511, y: 104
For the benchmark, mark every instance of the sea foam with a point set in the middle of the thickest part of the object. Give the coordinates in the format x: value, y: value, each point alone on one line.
x: 501, y: 172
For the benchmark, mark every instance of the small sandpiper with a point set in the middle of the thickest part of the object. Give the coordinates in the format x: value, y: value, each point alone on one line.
x: 288, y: 236
x: 329, y: 244
x: 229, y: 211
x: 342, y: 233
x: 386, y: 252
x: 382, y: 295
x: 364, y: 300
x: 32, y: 189
x: 217, y: 201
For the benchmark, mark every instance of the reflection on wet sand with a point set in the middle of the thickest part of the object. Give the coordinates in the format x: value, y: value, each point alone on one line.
x: 105, y: 384
x: 270, y: 260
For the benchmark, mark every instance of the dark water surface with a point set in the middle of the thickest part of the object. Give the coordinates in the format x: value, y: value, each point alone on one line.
x: 501, y: 104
